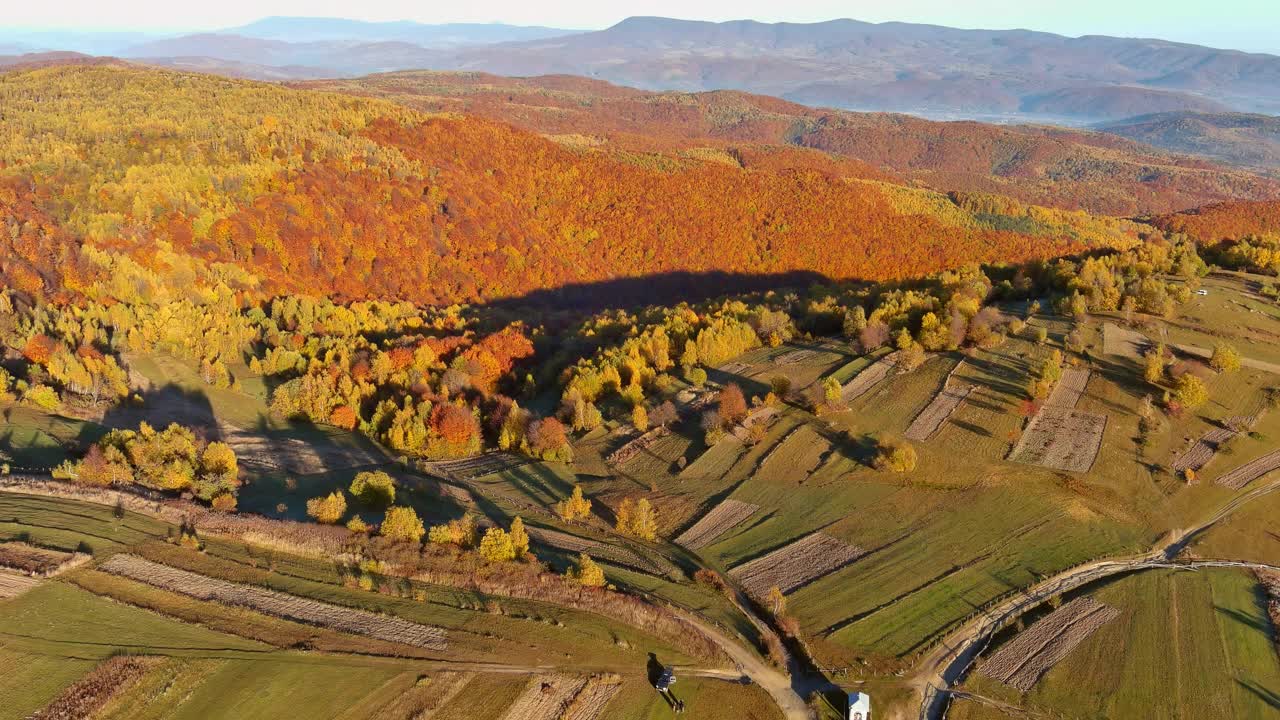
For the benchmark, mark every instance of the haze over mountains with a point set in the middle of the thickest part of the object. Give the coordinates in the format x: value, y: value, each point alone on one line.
x: 924, y: 69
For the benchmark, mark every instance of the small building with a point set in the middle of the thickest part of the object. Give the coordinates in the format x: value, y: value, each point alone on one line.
x: 859, y: 706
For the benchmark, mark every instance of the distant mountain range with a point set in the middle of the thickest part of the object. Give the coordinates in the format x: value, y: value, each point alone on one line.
x: 935, y: 71
x: 1237, y: 138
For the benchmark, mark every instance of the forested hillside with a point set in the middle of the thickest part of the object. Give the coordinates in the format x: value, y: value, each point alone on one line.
x: 1071, y: 169
x: 355, y: 198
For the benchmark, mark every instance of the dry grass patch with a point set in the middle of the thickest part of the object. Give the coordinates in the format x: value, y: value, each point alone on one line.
x: 295, y: 456
x: 589, y: 704
x: 547, y: 697
x: 595, y: 548
x: 14, y: 584
x: 1061, y: 439
x: 1251, y: 471
x: 795, y: 565
x: 721, y: 519
x: 93, y: 691
x: 1024, y: 659
x: 1123, y: 341
x: 312, y: 612
x: 37, y: 561
x: 427, y: 696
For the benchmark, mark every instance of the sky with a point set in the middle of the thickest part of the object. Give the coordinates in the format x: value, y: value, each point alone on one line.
x: 1241, y: 24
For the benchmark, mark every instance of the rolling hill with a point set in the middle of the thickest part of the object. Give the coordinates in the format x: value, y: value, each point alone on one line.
x: 1248, y: 140
x: 359, y: 198
x: 1072, y: 169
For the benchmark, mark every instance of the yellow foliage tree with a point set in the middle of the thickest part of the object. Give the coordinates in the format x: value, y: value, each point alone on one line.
x: 402, y: 523
x: 328, y: 509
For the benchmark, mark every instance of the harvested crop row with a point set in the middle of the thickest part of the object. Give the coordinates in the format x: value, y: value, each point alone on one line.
x: 477, y: 466
x: 722, y: 518
x: 637, y: 446
x: 1061, y: 439
x: 1066, y: 394
x: 930, y: 420
x: 867, y: 379
x: 1203, y: 451
x: 290, y: 607
x: 795, y: 565
x: 13, y: 584
x: 423, y: 699
x: 794, y: 357
x: 32, y: 560
x: 590, y: 703
x: 594, y: 548
x: 85, y: 696
x: 1251, y: 471
x: 1031, y: 654
x: 546, y: 698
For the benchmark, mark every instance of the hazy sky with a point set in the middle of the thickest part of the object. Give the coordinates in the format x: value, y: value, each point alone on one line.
x: 1244, y: 24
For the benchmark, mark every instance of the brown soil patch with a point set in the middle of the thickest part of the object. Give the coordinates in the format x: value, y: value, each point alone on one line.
x: 1027, y: 657
x: 795, y: 565
x: 289, y: 607
x: 1066, y: 394
x: 637, y: 446
x: 1061, y: 439
x: 930, y: 420
x: 721, y: 519
x: 867, y: 379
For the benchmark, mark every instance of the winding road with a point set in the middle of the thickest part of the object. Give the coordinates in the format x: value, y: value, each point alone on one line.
x: 951, y: 660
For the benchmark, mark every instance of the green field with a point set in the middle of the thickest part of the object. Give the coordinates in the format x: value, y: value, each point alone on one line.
x: 1186, y: 645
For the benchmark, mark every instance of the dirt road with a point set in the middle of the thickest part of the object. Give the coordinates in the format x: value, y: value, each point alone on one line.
x: 951, y: 660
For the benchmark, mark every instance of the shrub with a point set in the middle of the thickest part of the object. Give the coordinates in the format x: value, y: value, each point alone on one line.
x: 496, y: 546
x: 402, y: 523
x: 587, y: 573
x: 329, y: 508
x: 376, y: 488
x: 1225, y: 358
x: 1190, y: 392
x: 896, y: 455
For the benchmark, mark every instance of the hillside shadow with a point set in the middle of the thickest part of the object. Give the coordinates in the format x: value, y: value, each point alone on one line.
x: 663, y: 288
x: 167, y: 404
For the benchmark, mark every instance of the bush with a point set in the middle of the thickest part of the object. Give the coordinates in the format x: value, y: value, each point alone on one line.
x: 375, y: 489
x: 402, y: 523
x: 896, y: 455
x: 587, y: 573
x: 1190, y: 392
x: 329, y: 508
x: 1225, y: 358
